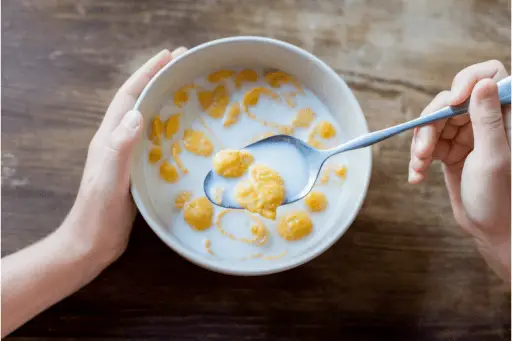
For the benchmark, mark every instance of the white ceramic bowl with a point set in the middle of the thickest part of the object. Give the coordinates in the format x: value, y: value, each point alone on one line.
x: 310, y: 71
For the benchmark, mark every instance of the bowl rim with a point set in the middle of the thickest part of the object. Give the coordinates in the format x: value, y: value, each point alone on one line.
x: 273, y: 267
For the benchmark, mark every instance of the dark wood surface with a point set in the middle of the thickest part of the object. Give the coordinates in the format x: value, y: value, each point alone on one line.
x: 404, y: 271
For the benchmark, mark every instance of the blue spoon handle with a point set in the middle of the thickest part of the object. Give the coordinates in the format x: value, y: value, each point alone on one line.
x: 366, y: 140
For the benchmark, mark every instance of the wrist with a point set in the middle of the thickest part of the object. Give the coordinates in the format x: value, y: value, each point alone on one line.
x: 87, y: 235
x: 87, y: 258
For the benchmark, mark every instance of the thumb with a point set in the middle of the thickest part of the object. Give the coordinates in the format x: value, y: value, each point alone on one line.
x: 486, y: 116
x: 125, y: 136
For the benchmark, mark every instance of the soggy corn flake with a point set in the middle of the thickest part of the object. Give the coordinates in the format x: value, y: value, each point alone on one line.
x: 286, y: 130
x: 218, y: 193
x: 208, y: 246
x: 156, y: 130
x: 172, y: 125
x: 295, y: 225
x: 263, y: 136
x: 316, y: 201
x: 198, y: 213
x: 325, y: 129
x: 245, y: 76
x: 205, y: 99
x: 220, y: 97
x: 181, y: 95
x: 262, y: 193
x: 168, y: 172
x: 181, y: 199
x: 341, y: 172
x: 304, y: 118
x: 252, y: 96
x: 290, y: 99
x: 277, y: 78
x: 210, y: 130
x: 232, y: 115
x: 324, y: 175
x: 176, y: 150
x: 155, y: 154
x: 315, y: 143
x: 217, y: 110
x: 197, y: 143
x: 220, y: 75
x: 231, y: 163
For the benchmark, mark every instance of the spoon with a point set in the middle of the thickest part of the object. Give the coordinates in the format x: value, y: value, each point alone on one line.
x: 314, y: 158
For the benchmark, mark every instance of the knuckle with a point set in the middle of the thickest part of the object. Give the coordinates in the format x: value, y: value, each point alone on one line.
x: 459, y: 76
x: 496, y: 65
x: 440, y: 100
x: 443, y: 95
x: 492, y: 121
x: 465, y: 75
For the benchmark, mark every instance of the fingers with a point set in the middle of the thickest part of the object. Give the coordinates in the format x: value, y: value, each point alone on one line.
x: 127, y: 95
x: 442, y: 149
x: 449, y: 131
x: 486, y: 117
x: 178, y: 52
x: 121, y: 145
x: 140, y: 78
x: 466, y: 79
x: 427, y: 135
x: 465, y: 136
x: 425, y: 139
x: 127, y: 132
x: 136, y: 83
x: 417, y: 169
x: 450, y: 142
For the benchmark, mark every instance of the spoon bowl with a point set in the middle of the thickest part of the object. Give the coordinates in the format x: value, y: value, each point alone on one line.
x: 297, y: 152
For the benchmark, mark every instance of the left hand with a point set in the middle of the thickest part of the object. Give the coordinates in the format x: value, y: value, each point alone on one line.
x: 101, y: 218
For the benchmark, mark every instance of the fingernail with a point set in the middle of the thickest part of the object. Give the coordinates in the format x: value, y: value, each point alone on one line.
x: 414, y: 177
x: 132, y: 119
x: 179, y: 51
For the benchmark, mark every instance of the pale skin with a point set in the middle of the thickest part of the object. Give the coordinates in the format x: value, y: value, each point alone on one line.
x: 474, y: 150
x: 96, y: 231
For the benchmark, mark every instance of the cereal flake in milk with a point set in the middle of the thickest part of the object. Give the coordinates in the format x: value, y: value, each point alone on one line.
x: 223, y: 112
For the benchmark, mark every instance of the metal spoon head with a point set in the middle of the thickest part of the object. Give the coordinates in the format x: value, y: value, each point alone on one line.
x: 312, y: 158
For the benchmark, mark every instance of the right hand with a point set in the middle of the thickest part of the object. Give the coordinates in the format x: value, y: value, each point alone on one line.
x: 475, y: 153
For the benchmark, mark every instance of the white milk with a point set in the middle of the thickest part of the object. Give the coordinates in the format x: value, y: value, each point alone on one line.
x: 282, y: 159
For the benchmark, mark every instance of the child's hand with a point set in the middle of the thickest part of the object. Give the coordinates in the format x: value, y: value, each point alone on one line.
x: 475, y: 154
x: 100, y: 221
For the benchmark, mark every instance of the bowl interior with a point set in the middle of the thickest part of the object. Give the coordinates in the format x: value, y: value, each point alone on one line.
x: 310, y: 71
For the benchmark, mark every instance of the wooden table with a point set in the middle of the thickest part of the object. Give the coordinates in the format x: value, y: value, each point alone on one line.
x: 403, y: 271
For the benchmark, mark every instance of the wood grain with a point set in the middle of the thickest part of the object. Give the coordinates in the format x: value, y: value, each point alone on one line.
x: 404, y: 271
